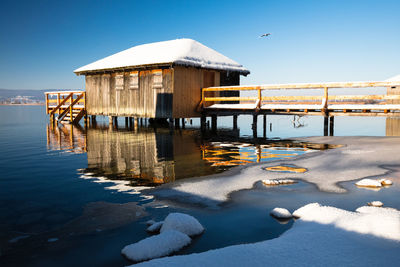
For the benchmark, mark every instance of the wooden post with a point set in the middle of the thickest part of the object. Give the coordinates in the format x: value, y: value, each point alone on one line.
x: 93, y: 118
x: 214, y: 123
x: 326, y: 125
x: 254, y: 126
x: 115, y: 118
x: 325, y: 107
x: 171, y: 123
x: 203, y: 120
x: 47, y: 103
x: 235, y: 117
x: 331, y: 126
x: 183, y: 123
x: 137, y: 123
x: 110, y: 120
x: 177, y: 123
x: 265, y: 126
x: 71, y: 117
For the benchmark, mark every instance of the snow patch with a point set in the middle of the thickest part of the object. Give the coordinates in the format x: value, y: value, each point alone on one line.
x: 369, y: 220
x: 273, y: 182
x: 375, y: 204
x: 374, y: 183
x: 281, y: 213
x: 156, y: 246
x: 155, y: 227
x: 182, y: 222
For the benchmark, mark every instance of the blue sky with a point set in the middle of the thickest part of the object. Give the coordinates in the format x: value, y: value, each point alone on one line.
x: 42, y: 42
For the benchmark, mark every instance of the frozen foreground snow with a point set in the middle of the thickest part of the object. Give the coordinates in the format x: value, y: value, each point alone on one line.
x: 174, y: 235
x: 156, y: 246
x: 323, y: 236
x: 183, y: 223
x: 326, y: 169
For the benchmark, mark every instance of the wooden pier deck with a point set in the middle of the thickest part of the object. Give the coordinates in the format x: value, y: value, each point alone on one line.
x: 295, y: 99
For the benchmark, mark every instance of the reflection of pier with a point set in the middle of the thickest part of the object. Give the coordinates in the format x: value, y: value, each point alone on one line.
x: 66, y: 137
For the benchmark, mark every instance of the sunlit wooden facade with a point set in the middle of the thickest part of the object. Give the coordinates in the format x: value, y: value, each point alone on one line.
x: 160, y: 91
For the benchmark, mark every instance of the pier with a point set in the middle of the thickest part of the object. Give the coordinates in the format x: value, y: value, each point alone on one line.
x: 257, y: 100
x: 271, y: 99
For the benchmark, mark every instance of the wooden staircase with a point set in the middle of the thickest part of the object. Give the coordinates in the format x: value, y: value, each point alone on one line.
x: 66, y: 106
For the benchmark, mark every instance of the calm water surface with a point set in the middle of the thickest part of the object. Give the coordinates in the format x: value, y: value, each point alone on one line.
x: 55, y: 180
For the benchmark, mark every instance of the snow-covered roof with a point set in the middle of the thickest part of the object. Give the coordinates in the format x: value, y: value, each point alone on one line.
x: 393, y: 79
x: 186, y: 52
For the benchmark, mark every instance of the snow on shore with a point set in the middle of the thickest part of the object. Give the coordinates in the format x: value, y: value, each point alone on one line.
x: 183, y: 223
x: 156, y: 246
x: 174, y: 235
x: 323, y: 236
x: 374, y: 183
x: 325, y: 169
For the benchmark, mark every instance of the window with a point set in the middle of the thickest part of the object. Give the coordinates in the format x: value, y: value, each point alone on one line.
x: 119, y: 82
x: 157, y: 79
x: 134, y: 80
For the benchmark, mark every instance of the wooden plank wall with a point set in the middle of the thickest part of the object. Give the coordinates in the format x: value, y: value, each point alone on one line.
x: 187, y: 89
x: 393, y: 126
x: 146, y: 101
x: 393, y: 91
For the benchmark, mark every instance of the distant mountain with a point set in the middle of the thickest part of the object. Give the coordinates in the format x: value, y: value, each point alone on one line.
x: 24, y: 95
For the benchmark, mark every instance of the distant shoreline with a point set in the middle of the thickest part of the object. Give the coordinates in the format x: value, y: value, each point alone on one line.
x: 33, y: 104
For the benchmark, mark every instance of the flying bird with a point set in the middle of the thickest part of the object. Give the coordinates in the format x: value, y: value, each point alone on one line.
x: 265, y: 35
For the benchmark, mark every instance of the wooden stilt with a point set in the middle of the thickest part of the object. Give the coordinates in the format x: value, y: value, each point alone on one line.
x: 331, y: 125
x: 115, y: 122
x: 214, y: 123
x: 110, y: 120
x: 183, y: 123
x: 254, y: 126
x: 171, y: 122
x: 326, y: 125
x: 235, y: 117
x: 265, y: 126
x: 203, y: 120
x: 177, y: 123
x: 137, y: 123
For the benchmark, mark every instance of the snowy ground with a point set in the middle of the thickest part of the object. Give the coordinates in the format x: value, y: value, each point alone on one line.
x: 323, y: 236
x: 360, y: 157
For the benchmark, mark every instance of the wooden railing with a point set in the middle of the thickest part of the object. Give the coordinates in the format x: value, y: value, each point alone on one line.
x: 70, y: 106
x: 211, y: 98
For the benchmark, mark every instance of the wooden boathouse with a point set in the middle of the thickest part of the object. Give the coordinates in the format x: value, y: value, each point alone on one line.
x: 157, y: 80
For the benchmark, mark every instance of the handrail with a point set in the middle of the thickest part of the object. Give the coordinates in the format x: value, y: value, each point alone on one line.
x: 305, y: 86
x: 69, y: 108
x: 66, y: 102
x: 323, y: 99
x: 61, y: 104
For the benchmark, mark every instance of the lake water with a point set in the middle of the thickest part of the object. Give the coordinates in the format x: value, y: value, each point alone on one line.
x: 65, y: 192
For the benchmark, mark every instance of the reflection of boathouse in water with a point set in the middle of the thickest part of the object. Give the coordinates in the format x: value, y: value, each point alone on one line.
x: 153, y: 156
